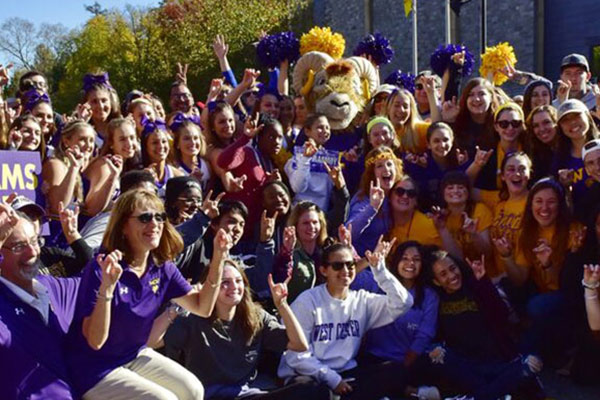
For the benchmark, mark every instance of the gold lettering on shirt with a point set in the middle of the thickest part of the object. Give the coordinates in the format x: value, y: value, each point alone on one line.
x: 458, y: 307
x: 154, y: 283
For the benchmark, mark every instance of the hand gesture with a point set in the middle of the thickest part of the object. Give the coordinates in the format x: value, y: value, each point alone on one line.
x: 273, y: 176
x: 376, y: 195
x: 503, y: 246
x: 181, y: 75
x: 437, y: 355
x: 10, y: 114
x: 596, y: 91
x: 577, y: 238
x: 310, y: 148
x: 197, y: 174
x: 222, y: 243
x: 418, y: 159
x: 450, y: 110
x: 381, y: 251
x: 267, y: 226
x: 352, y: 155
x: 469, y: 224
x: 83, y: 111
x: 482, y: 156
x: 562, y: 92
x: 220, y: 47
x: 439, y: 216
x: 8, y: 220
x: 279, y: 291
x: 461, y: 156
x: 342, y: 388
x: 251, y: 126
x: 111, y: 271
x: 250, y: 77
x: 458, y: 58
x: 428, y: 85
x: 152, y: 169
x: 209, y: 206
x: 336, y: 175
x: 15, y: 139
x: 4, y: 74
x: 289, y: 238
x: 68, y: 220
x: 345, y: 234
x: 591, y: 274
x: 534, y: 363
x: 543, y: 252
x: 115, y: 164
x: 236, y: 184
x: 509, y: 70
x: 76, y: 158
x: 566, y: 177
x: 478, y: 267
x: 216, y: 85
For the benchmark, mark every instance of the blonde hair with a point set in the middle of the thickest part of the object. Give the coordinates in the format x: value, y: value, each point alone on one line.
x: 111, y: 130
x: 407, y: 134
x: 303, y: 207
x: 171, y: 243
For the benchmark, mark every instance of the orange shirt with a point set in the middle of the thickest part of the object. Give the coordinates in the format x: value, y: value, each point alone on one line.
x: 420, y: 228
x: 454, y: 224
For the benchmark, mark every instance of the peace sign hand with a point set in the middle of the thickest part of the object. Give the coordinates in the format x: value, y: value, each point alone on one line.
x: 209, y: 206
x: 376, y: 195
x: 279, y: 291
x: 181, y: 75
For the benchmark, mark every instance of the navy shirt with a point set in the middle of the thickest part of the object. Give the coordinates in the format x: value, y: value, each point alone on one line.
x: 136, y: 303
x: 31, y: 351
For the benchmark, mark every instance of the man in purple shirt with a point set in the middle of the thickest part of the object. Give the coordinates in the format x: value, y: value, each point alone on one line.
x: 35, y: 314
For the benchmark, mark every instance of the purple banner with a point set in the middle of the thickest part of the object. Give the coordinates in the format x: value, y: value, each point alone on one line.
x: 20, y: 172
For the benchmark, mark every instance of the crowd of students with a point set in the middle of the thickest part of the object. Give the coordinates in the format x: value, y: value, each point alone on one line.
x: 240, y: 248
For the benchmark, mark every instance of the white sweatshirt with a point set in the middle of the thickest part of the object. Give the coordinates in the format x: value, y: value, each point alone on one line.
x: 334, y: 328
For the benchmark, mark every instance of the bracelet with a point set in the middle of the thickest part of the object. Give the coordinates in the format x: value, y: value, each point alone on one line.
x: 592, y: 286
x: 104, y: 297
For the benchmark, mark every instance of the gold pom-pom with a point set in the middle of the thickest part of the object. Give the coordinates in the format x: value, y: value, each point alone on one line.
x: 494, y: 59
x: 322, y: 39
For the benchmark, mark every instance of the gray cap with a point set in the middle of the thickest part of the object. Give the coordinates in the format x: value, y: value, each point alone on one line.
x: 571, y: 106
x: 590, y: 146
x: 385, y: 88
x: 575, y: 59
x: 28, y: 206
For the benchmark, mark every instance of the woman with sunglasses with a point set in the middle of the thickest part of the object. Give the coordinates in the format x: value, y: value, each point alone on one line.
x: 335, y: 319
x: 408, y: 222
x: 119, y: 300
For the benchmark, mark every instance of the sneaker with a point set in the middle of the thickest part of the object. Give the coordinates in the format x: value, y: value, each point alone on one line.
x: 428, y: 393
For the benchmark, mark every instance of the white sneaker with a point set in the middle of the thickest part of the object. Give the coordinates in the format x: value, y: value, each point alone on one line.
x: 428, y: 393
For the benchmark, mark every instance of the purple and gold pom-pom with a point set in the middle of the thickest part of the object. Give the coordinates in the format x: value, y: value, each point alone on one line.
x: 377, y: 46
x: 401, y: 79
x: 442, y: 57
x: 276, y: 48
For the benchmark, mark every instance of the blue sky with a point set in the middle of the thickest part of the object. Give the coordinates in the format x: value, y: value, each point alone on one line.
x: 70, y: 13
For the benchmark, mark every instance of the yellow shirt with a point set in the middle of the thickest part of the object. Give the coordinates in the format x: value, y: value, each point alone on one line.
x: 500, y: 154
x: 420, y: 228
x: 507, y: 215
x: 421, y: 131
x: 454, y: 224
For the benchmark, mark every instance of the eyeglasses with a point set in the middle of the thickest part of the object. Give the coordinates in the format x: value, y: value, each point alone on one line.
x: 20, y: 247
x: 515, y: 123
x: 146, y: 218
x: 410, y: 193
x: 339, y: 265
x: 191, y: 201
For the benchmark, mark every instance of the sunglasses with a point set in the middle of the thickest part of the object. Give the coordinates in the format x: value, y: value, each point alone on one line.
x: 146, y: 218
x: 410, y: 193
x: 339, y: 265
x: 515, y: 123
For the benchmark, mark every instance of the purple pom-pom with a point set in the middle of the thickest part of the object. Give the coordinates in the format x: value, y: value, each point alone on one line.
x: 273, y: 49
x: 441, y: 58
x: 402, y: 80
x: 377, y: 46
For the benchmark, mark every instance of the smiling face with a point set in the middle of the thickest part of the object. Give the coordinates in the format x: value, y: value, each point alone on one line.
x: 574, y: 125
x: 342, y: 278
x: 188, y: 203
x: 157, y: 146
x: 269, y: 104
x: 32, y: 135
x: 516, y: 175
x: 270, y: 141
x: 276, y: 199
x: 233, y: 224
x: 544, y: 128
x: 23, y: 267
x: 399, y: 110
x: 45, y: 116
x: 504, y: 125
x: 189, y: 141
x: 379, y: 103
x: 409, y: 266
x: 381, y: 135
x: 181, y: 99
x: 99, y: 100
x: 143, y: 110
x: 544, y: 206
x: 592, y: 164
x: 232, y: 287
x: 142, y: 237
x: 456, y: 194
x: 319, y: 131
x: 404, y: 203
x: 577, y: 75
x: 124, y: 141
x: 385, y: 171
x: 308, y: 227
x: 540, y: 96
x: 479, y: 100
x: 441, y: 142
x: 447, y: 275
x: 84, y: 138
x: 224, y: 125
x: 300, y: 111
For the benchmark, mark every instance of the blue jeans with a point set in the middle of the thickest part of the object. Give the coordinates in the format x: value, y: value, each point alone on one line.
x: 548, y: 315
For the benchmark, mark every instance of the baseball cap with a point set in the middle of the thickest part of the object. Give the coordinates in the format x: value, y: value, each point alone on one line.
x: 29, y: 207
x: 575, y: 59
x: 590, y: 146
x: 571, y: 106
x: 385, y: 88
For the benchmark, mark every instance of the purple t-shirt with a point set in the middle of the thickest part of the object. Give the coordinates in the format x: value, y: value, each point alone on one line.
x: 135, y: 305
x: 31, y: 352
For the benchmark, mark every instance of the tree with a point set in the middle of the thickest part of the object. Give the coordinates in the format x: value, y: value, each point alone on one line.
x: 18, y: 41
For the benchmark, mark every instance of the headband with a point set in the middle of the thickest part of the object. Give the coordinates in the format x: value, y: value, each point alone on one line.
x: 386, y: 155
x: 379, y: 120
x: 151, y: 126
x: 90, y: 80
x: 180, y: 118
x: 34, y: 98
x: 510, y: 106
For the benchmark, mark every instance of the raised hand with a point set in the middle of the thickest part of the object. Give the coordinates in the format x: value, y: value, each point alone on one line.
x: 478, y: 267
x: 562, y: 91
x: 543, y: 252
x: 4, y: 78
x: 210, y: 207
x: 83, y: 111
x: 115, y: 164
x: 428, y: 84
x: 534, y: 363
x: 152, y: 169
x: 503, y: 246
x: 591, y: 274
x: 336, y: 175
x: 220, y: 47
x: 111, y: 271
x: 250, y: 77
x: 310, y: 148
x: 197, y: 173
x: 450, y: 110
x: 461, y: 156
x: 345, y: 234
x: 68, y: 220
x: 469, y: 224
x: 216, y: 85
x: 279, y: 291
x: 566, y: 177
x: 352, y: 155
x: 251, y: 126
x: 15, y: 139
x: 376, y: 195
x: 236, y: 184
x: 222, y: 243
x: 8, y: 220
x: 439, y: 216
x: 181, y: 75
x: 267, y: 226
x: 289, y: 238
x: 482, y: 156
x: 458, y: 58
x: 577, y: 238
x: 76, y: 158
x: 380, y: 252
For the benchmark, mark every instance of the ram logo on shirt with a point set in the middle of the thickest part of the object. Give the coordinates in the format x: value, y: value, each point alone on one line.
x: 339, y: 331
x: 154, y: 283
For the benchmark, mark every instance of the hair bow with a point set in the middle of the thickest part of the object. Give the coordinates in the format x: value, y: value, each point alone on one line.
x: 90, y: 80
x: 180, y: 118
x: 264, y: 90
x: 34, y: 97
x: 151, y: 126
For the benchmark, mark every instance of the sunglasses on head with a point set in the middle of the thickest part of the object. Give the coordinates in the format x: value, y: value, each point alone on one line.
x: 339, y: 265
x: 410, y: 193
x: 515, y: 123
x: 146, y: 218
